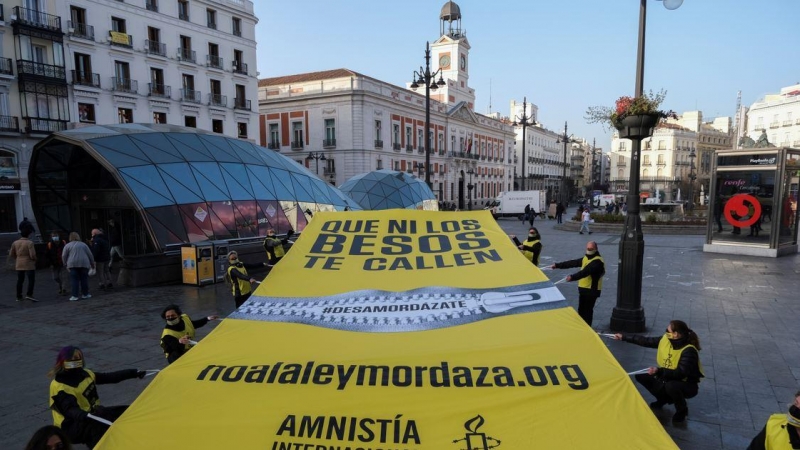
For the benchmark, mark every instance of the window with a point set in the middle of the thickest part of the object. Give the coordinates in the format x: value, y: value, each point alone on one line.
x: 622, y: 146
x: 118, y: 25
x: 239, y: 65
x: 662, y: 145
x: 330, y: 133
x: 660, y: 160
x: 441, y: 142
x: 396, y: 135
x: 190, y: 121
x: 236, y: 26
x: 408, y: 137
x: 452, y: 143
x: 216, y: 125
x: 183, y: 9
x: 646, y: 160
x: 153, y: 44
x: 274, y: 136
x: 157, y: 87
x: 213, y: 56
x: 82, y: 75
x: 211, y: 18
x: 159, y: 117
x: 86, y: 112
x: 152, y: 5
x: 185, y: 53
x: 297, y: 134
x: 78, y: 23
x: 216, y: 98
x: 378, y: 132
x: 125, y: 115
x: 420, y: 142
x: 241, y: 128
x: 122, y: 77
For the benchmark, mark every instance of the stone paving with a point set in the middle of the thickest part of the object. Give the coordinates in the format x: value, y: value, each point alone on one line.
x: 743, y: 308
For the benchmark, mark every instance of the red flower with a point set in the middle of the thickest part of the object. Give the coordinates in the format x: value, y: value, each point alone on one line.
x: 623, y: 104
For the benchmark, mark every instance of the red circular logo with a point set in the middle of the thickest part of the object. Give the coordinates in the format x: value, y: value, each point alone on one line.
x: 740, y: 205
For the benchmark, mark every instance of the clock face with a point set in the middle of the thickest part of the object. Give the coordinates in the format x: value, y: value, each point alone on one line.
x: 463, y: 62
x: 444, y: 61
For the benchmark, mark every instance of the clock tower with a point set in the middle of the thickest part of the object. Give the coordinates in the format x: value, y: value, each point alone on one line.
x: 451, y: 54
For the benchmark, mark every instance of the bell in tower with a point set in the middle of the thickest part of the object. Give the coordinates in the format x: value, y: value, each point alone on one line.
x: 450, y: 18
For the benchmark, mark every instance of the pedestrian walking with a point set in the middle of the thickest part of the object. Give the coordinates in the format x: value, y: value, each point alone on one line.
x: 531, y: 247
x: 49, y: 437
x: 78, y: 259
x: 26, y: 227
x: 586, y: 218
x: 527, y: 213
x: 275, y: 247
x: 532, y: 216
x: 24, y: 254
x: 589, y: 278
x: 559, y: 212
x: 54, y: 253
x: 101, y: 250
x: 239, y: 279
x: 115, y: 240
x: 73, y: 396
x: 679, y: 370
x: 782, y: 431
x: 179, y: 331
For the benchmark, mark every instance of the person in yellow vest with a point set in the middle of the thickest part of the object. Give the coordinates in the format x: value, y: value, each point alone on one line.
x: 178, y: 331
x: 679, y: 370
x: 782, y: 431
x: 589, y: 278
x: 275, y: 247
x: 239, y: 279
x: 73, y: 396
x: 531, y: 247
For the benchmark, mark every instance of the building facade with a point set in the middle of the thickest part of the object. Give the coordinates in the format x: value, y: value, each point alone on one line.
x: 80, y: 62
x: 777, y: 115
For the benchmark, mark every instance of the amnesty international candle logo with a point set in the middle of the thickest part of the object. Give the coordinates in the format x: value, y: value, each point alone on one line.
x: 474, y: 439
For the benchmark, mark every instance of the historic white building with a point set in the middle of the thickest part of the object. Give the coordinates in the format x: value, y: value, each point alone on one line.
x: 341, y: 123
x: 83, y: 62
x: 778, y: 115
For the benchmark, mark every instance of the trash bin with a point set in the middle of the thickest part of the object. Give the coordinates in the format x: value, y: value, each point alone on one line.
x: 221, y: 249
x: 197, y: 263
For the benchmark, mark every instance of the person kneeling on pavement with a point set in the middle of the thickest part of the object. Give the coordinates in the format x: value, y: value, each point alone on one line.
x: 679, y: 370
x: 73, y: 396
x: 179, y: 332
x: 782, y: 431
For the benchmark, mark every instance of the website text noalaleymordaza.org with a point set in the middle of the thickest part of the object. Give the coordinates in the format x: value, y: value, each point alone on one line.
x: 442, y: 375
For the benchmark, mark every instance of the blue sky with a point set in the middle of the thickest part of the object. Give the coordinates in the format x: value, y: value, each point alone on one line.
x: 564, y: 55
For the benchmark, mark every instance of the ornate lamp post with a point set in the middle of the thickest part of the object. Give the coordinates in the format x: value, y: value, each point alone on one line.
x: 317, y: 156
x: 565, y: 139
x: 424, y: 76
x: 470, y: 172
x: 692, y: 177
x: 525, y: 121
x: 628, y: 314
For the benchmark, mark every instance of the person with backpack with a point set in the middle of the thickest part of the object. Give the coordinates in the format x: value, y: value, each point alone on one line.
x: 53, y: 253
x: 101, y: 250
x: 237, y: 276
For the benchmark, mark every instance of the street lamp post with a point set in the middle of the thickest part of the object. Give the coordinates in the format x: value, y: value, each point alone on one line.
x: 692, y: 177
x: 317, y: 156
x: 565, y: 139
x: 470, y: 172
x: 525, y: 121
x: 424, y: 76
x: 628, y: 314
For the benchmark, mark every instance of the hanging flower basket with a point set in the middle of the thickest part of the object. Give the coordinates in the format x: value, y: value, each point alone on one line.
x: 633, y: 117
x: 638, y: 126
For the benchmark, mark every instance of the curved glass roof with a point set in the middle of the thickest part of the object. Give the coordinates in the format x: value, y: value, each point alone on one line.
x: 193, y: 185
x: 388, y: 189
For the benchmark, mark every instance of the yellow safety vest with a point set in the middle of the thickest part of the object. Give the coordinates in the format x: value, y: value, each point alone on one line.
x: 277, y: 250
x: 188, y: 331
x: 668, y: 357
x: 529, y: 253
x: 244, y: 285
x: 85, y: 393
x: 586, y: 282
x: 777, y: 437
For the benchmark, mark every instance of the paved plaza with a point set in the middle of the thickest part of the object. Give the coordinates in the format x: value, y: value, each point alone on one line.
x: 744, y: 310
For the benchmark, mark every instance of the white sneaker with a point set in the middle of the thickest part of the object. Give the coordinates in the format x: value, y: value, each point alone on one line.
x: 73, y: 299
x: 86, y: 296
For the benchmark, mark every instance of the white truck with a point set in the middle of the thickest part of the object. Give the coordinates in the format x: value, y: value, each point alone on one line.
x: 512, y: 204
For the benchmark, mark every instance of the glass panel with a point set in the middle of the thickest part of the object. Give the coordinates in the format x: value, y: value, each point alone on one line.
x: 118, y: 159
x: 224, y: 212
x: 245, y: 150
x: 167, y: 226
x: 302, y: 188
x: 197, y: 219
x: 189, y: 146
x: 320, y: 195
x: 157, y: 148
x: 284, y: 189
x: 209, y: 179
x: 180, y: 192
x: 743, y: 204
x: 261, y: 180
x: 788, y: 213
x: 246, y: 213
x: 274, y: 214
x: 183, y: 174
x: 232, y: 174
x: 121, y: 144
x: 219, y: 148
x: 146, y: 196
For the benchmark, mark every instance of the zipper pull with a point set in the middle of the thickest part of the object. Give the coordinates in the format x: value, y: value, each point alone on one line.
x: 498, y: 302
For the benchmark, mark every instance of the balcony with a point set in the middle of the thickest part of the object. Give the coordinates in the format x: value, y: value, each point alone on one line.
x: 183, y: 16
x: 6, y: 66
x: 81, y: 78
x: 36, y: 19
x: 297, y: 145
x: 214, y: 61
x: 329, y: 143
x: 9, y: 124
x: 420, y: 150
x: 409, y: 148
x: 774, y: 125
x: 624, y: 164
x: 274, y: 146
x: 187, y: 54
x: 241, y: 103
x: 80, y: 30
x: 151, y: 6
x: 191, y: 96
x: 43, y: 125
x: 329, y: 172
x: 118, y: 39
x: 212, y: 24
x: 240, y: 68
x: 40, y: 70
x: 124, y: 85
x: 237, y: 32
x: 378, y: 143
x: 396, y: 146
x: 787, y: 123
x: 159, y: 90
x: 217, y: 100
x: 155, y: 48
x: 661, y: 163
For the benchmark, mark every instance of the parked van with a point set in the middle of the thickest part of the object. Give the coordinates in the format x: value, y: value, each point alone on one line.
x: 512, y: 204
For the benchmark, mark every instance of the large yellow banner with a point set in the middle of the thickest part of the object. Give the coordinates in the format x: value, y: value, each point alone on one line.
x: 396, y: 330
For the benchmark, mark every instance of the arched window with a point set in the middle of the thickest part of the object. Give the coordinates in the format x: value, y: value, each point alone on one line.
x: 621, y: 173
x: 646, y: 172
x: 660, y: 173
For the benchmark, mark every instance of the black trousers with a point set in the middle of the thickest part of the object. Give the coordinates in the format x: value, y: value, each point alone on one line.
x: 240, y: 299
x: 672, y: 391
x: 21, y: 281
x: 586, y: 301
x: 89, y: 431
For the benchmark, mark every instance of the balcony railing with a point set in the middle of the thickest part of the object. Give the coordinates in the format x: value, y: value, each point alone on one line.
x: 409, y: 148
x: 420, y: 150
x: 183, y: 16
x: 33, y: 18
x: 241, y: 103
x: 274, y: 146
x: 217, y: 100
x: 159, y: 90
x: 378, y: 143
x: 212, y: 24
x: 155, y: 48
x: 6, y: 66
x: 81, y: 78
x: 124, y: 85
x: 42, y: 125
x: 120, y: 39
x: 9, y: 123
x: 396, y: 146
x: 214, y: 61
x: 189, y: 95
x: 151, y: 6
x: 297, y: 145
x: 774, y: 125
x: 187, y: 54
x: 240, y: 67
x: 787, y: 123
x: 237, y: 32
x: 328, y: 143
x: 80, y: 30
x: 624, y: 164
x: 43, y: 70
